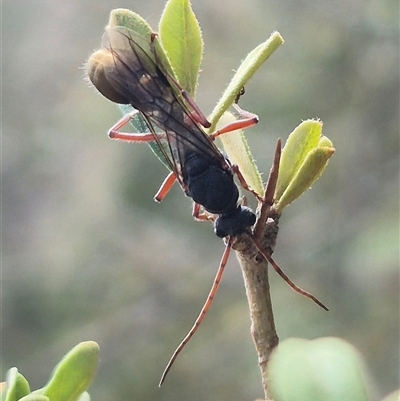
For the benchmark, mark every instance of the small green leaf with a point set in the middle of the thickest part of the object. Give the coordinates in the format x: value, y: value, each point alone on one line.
x: 304, y: 159
x: 311, y: 169
x: 129, y: 19
x: 304, y: 138
x: 326, y: 369
x: 73, y: 375
x: 181, y: 39
x: 16, y: 386
x: 142, y: 33
x: 235, y: 144
x: 237, y: 148
x: 248, y: 67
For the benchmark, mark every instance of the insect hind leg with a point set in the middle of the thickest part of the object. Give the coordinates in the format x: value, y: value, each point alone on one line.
x: 204, y: 309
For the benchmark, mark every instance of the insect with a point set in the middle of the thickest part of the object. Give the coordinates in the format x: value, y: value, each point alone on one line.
x: 125, y: 73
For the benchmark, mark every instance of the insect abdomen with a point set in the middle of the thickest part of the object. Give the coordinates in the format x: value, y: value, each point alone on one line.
x: 209, y: 184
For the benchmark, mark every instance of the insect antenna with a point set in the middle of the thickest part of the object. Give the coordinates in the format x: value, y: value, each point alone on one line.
x: 203, y: 311
x: 289, y: 282
x: 265, y: 209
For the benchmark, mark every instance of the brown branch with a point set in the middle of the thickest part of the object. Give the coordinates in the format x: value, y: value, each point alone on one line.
x: 268, y: 200
x: 255, y: 274
x: 254, y: 265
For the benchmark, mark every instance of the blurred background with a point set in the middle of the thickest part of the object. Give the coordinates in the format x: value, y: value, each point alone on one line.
x: 88, y: 255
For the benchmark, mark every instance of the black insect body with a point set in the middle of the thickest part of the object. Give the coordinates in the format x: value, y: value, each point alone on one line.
x: 214, y: 188
x: 124, y: 73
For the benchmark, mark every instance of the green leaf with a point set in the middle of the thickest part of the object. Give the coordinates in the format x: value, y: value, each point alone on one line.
x: 235, y: 143
x: 248, y: 67
x: 142, y: 33
x: 16, y: 386
x: 73, y: 375
x: 181, y: 39
x: 304, y: 138
x: 326, y: 369
x: 129, y: 19
x: 304, y: 159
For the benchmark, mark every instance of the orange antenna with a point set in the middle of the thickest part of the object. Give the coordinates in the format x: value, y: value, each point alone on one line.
x: 289, y: 282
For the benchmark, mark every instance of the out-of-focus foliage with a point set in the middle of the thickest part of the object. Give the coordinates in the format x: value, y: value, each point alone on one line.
x: 304, y: 159
x: 88, y: 254
x: 68, y: 382
x: 325, y: 369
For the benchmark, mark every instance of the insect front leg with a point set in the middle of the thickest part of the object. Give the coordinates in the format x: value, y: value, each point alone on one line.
x: 246, y: 120
x: 114, y: 132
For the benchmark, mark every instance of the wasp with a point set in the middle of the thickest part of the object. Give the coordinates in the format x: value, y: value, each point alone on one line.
x: 125, y: 73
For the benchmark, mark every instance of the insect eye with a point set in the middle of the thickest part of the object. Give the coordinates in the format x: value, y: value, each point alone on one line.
x: 100, y: 68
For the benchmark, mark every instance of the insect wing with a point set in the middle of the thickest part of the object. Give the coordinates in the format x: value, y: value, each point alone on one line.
x: 140, y: 126
x: 146, y: 87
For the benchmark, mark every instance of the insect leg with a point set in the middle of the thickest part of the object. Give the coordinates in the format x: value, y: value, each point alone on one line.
x: 200, y: 215
x: 246, y: 120
x: 165, y: 187
x: 244, y: 184
x: 203, y: 311
x: 114, y: 133
x: 197, y: 114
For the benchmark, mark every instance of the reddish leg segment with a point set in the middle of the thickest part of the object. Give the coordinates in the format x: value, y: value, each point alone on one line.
x: 165, y: 187
x: 246, y: 120
x: 114, y: 133
x: 197, y: 114
x: 203, y: 311
x: 200, y: 215
x: 244, y: 184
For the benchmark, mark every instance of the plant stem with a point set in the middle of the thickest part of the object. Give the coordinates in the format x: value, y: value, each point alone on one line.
x: 255, y: 274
